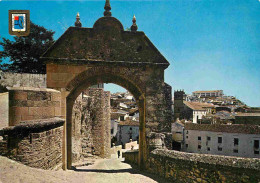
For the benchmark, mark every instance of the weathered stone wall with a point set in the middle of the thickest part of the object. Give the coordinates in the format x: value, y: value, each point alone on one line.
x: 99, y: 128
x: 131, y: 156
x: 9, y: 79
x: 77, y: 129
x: 34, y: 143
x: 4, y: 108
x: 158, y: 102
x: 91, y: 124
x: 27, y: 103
x: 107, y: 120
x: 188, y: 167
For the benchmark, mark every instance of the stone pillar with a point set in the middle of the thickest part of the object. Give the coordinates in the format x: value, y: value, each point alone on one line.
x: 142, y: 136
x: 107, y: 119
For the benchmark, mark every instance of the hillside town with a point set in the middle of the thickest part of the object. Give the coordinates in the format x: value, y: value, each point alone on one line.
x: 207, y: 122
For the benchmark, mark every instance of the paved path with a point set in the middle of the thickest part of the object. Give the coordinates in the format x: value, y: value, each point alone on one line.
x: 100, y: 171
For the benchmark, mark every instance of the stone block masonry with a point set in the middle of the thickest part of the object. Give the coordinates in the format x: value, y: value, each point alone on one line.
x: 182, y: 167
x: 91, y: 124
x: 35, y: 143
x: 27, y: 103
x: 187, y: 167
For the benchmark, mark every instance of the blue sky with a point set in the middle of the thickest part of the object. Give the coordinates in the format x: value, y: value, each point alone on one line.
x: 210, y: 44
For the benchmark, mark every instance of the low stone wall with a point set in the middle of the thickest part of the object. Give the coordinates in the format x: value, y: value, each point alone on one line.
x: 34, y: 143
x: 131, y: 156
x: 4, y: 108
x: 27, y: 103
x: 22, y: 80
x: 190, y: 167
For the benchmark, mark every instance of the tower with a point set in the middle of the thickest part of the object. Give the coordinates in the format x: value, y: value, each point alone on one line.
x: 178, y: 104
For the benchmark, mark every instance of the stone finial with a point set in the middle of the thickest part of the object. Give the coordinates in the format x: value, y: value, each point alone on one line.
x: 134, y: 26
x: 78, y: 23
x: 107, y: 8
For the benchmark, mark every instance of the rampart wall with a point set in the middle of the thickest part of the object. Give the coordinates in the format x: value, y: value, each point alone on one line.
x: 191, y: 167
x: 9, y: 79
x: 35, y: 143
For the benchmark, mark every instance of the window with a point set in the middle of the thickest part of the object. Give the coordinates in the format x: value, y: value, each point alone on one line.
x: 256, y: 152
x: 122, y: 118
x: 219, y: 139
x: 208, y: 148
x: 187, y: 132
x: 199, y: 147
x: 256, y: 144
x: 187, y: 137
x: 112, y: 131
x: 235, y: 151
x: 219, y: 148
x: 199, y: 137
x: 208, y: 138
x: 236, y: 141
x: 187, y: 145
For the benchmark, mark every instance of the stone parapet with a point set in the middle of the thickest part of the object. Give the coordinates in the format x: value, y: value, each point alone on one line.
x: 238, y: 162
x: 33, y: 126
x: 131, y: 156
x: 246, y: 129
x: 181, y: 167
x: 190, y: 167
x: 8, y: 79
x: 34, y: 143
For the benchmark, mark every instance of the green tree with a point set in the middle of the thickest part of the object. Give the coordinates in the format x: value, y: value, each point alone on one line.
x: 24, y: 52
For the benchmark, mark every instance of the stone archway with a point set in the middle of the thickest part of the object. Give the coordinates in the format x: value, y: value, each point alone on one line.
x: 104, y: 75
x: 107, y: 53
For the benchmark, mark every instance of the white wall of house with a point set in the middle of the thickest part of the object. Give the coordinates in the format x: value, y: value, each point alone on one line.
x: 209, y: 143
x: 129, y: 97
x: 197, y: 114
x: 114, y: 127
x: 125, y: 133
x: 122, y: 105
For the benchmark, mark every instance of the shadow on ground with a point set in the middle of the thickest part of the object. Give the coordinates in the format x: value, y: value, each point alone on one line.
x: 133, y: 170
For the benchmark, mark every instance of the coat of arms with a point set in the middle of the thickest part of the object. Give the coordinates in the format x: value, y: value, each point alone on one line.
x: 19, y: 22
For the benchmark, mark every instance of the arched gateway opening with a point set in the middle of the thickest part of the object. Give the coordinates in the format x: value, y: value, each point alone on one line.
x: 100, y: 75
x: 107, y: 53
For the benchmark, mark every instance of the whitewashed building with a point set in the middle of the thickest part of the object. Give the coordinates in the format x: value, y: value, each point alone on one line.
x: 228, y: 140
x: 127, y: 130
x: 194, y: 111
x: 210, y: 93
